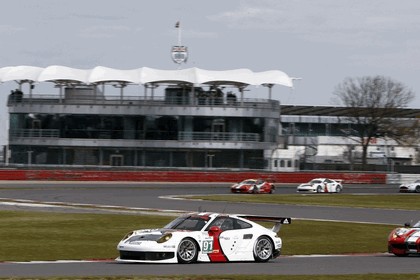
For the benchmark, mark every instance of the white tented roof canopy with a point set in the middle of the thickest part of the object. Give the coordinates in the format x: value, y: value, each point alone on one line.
x: 20, y: 73
x: 144, y: 75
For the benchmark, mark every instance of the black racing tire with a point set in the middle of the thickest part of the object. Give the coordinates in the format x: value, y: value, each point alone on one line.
x: 338, y: 189
x: 319, y: 189
x: 401, y: 255
x: 417, y: 190
x: 263, y: 249
x: 254, y: 189
x: 272, y: 190
x: 187, y: 251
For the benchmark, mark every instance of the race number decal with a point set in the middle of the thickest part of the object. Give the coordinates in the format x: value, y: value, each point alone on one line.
x: 207, y: 246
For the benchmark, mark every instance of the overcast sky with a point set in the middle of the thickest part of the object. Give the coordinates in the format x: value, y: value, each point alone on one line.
x: 321, y: 41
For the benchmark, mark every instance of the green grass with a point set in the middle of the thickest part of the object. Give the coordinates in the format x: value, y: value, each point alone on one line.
x: 405, y: 202
x: 50, y: 236
x: 305, y: 237
x: 26, y: 236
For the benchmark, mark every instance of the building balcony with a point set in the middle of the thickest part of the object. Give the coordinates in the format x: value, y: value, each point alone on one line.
x: 16, y: 134
x: 150, y: 105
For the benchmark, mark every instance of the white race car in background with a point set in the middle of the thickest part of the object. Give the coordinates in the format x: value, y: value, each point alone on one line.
x: 321, y: 185
x: 411, y: 187
x: 205, y: 237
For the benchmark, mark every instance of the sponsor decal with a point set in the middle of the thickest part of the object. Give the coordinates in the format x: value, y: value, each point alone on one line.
x: 247, y: 236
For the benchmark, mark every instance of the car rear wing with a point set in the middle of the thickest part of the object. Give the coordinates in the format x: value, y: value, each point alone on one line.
x: 278, y: 221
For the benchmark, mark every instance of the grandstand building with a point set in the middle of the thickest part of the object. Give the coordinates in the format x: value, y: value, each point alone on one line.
x: 190, y: 118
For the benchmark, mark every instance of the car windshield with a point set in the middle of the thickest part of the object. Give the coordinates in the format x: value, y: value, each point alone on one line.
x: 248, y: 182
x: 417, y: 225
x: 315, y: 181
x: 187, y: 223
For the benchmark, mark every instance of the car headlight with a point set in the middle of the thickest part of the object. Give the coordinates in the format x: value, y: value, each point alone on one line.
x: 399, y: 232
x: 164, y: 238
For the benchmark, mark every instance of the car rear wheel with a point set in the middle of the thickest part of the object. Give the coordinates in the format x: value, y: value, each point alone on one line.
x: 338, y: 189
x: 263, y: 249
x: 273, y: 189
x: 417, y: 189
x: 187, y: 251
x: 319, y: 189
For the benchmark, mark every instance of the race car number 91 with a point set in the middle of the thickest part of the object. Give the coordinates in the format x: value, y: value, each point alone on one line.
x: 207, y: 246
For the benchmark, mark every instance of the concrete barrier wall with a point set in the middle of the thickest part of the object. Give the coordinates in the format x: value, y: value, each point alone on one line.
x: 398, y: 178
x: 188, y: 176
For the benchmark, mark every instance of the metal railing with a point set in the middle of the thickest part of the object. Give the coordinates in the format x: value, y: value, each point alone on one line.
x: 219, y: 136
x: 37, y: 133
x: 134, y: 134
x: 255, y: 103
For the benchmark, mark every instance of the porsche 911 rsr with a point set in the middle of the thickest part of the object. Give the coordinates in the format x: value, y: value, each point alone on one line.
x: 405, y: 240
x: 205, y: 237
x: 253, y: 186
x: 321, y: 185
x: 410, y: 187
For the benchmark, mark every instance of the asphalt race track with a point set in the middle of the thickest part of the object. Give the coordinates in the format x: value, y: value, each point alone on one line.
x: 154, y: 196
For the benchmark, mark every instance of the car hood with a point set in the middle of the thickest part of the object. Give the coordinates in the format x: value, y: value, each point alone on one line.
x: 151, y: 234
x: 411, y: 234
x: 237, y: 186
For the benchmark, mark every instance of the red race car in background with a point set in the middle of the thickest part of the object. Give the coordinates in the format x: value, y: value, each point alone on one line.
x: 253, y: 186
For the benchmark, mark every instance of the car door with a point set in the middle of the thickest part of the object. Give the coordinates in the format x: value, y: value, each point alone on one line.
x: 330, y: 185
x: 232, y: 236
x: 236, y: 240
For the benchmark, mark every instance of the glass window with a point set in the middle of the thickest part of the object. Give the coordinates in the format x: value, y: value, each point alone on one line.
x: 282, y: 163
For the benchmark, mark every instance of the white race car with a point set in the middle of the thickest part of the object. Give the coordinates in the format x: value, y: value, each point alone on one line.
x: 205, y: 237
x: 411, y: 187
x: 321, y: 185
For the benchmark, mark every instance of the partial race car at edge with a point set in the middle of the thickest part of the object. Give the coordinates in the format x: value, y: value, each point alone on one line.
x: 413, y: 187
x: 404, y: 241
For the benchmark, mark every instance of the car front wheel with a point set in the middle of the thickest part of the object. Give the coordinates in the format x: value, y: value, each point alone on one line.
x: 187, y: 251
x: 263, y: 249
